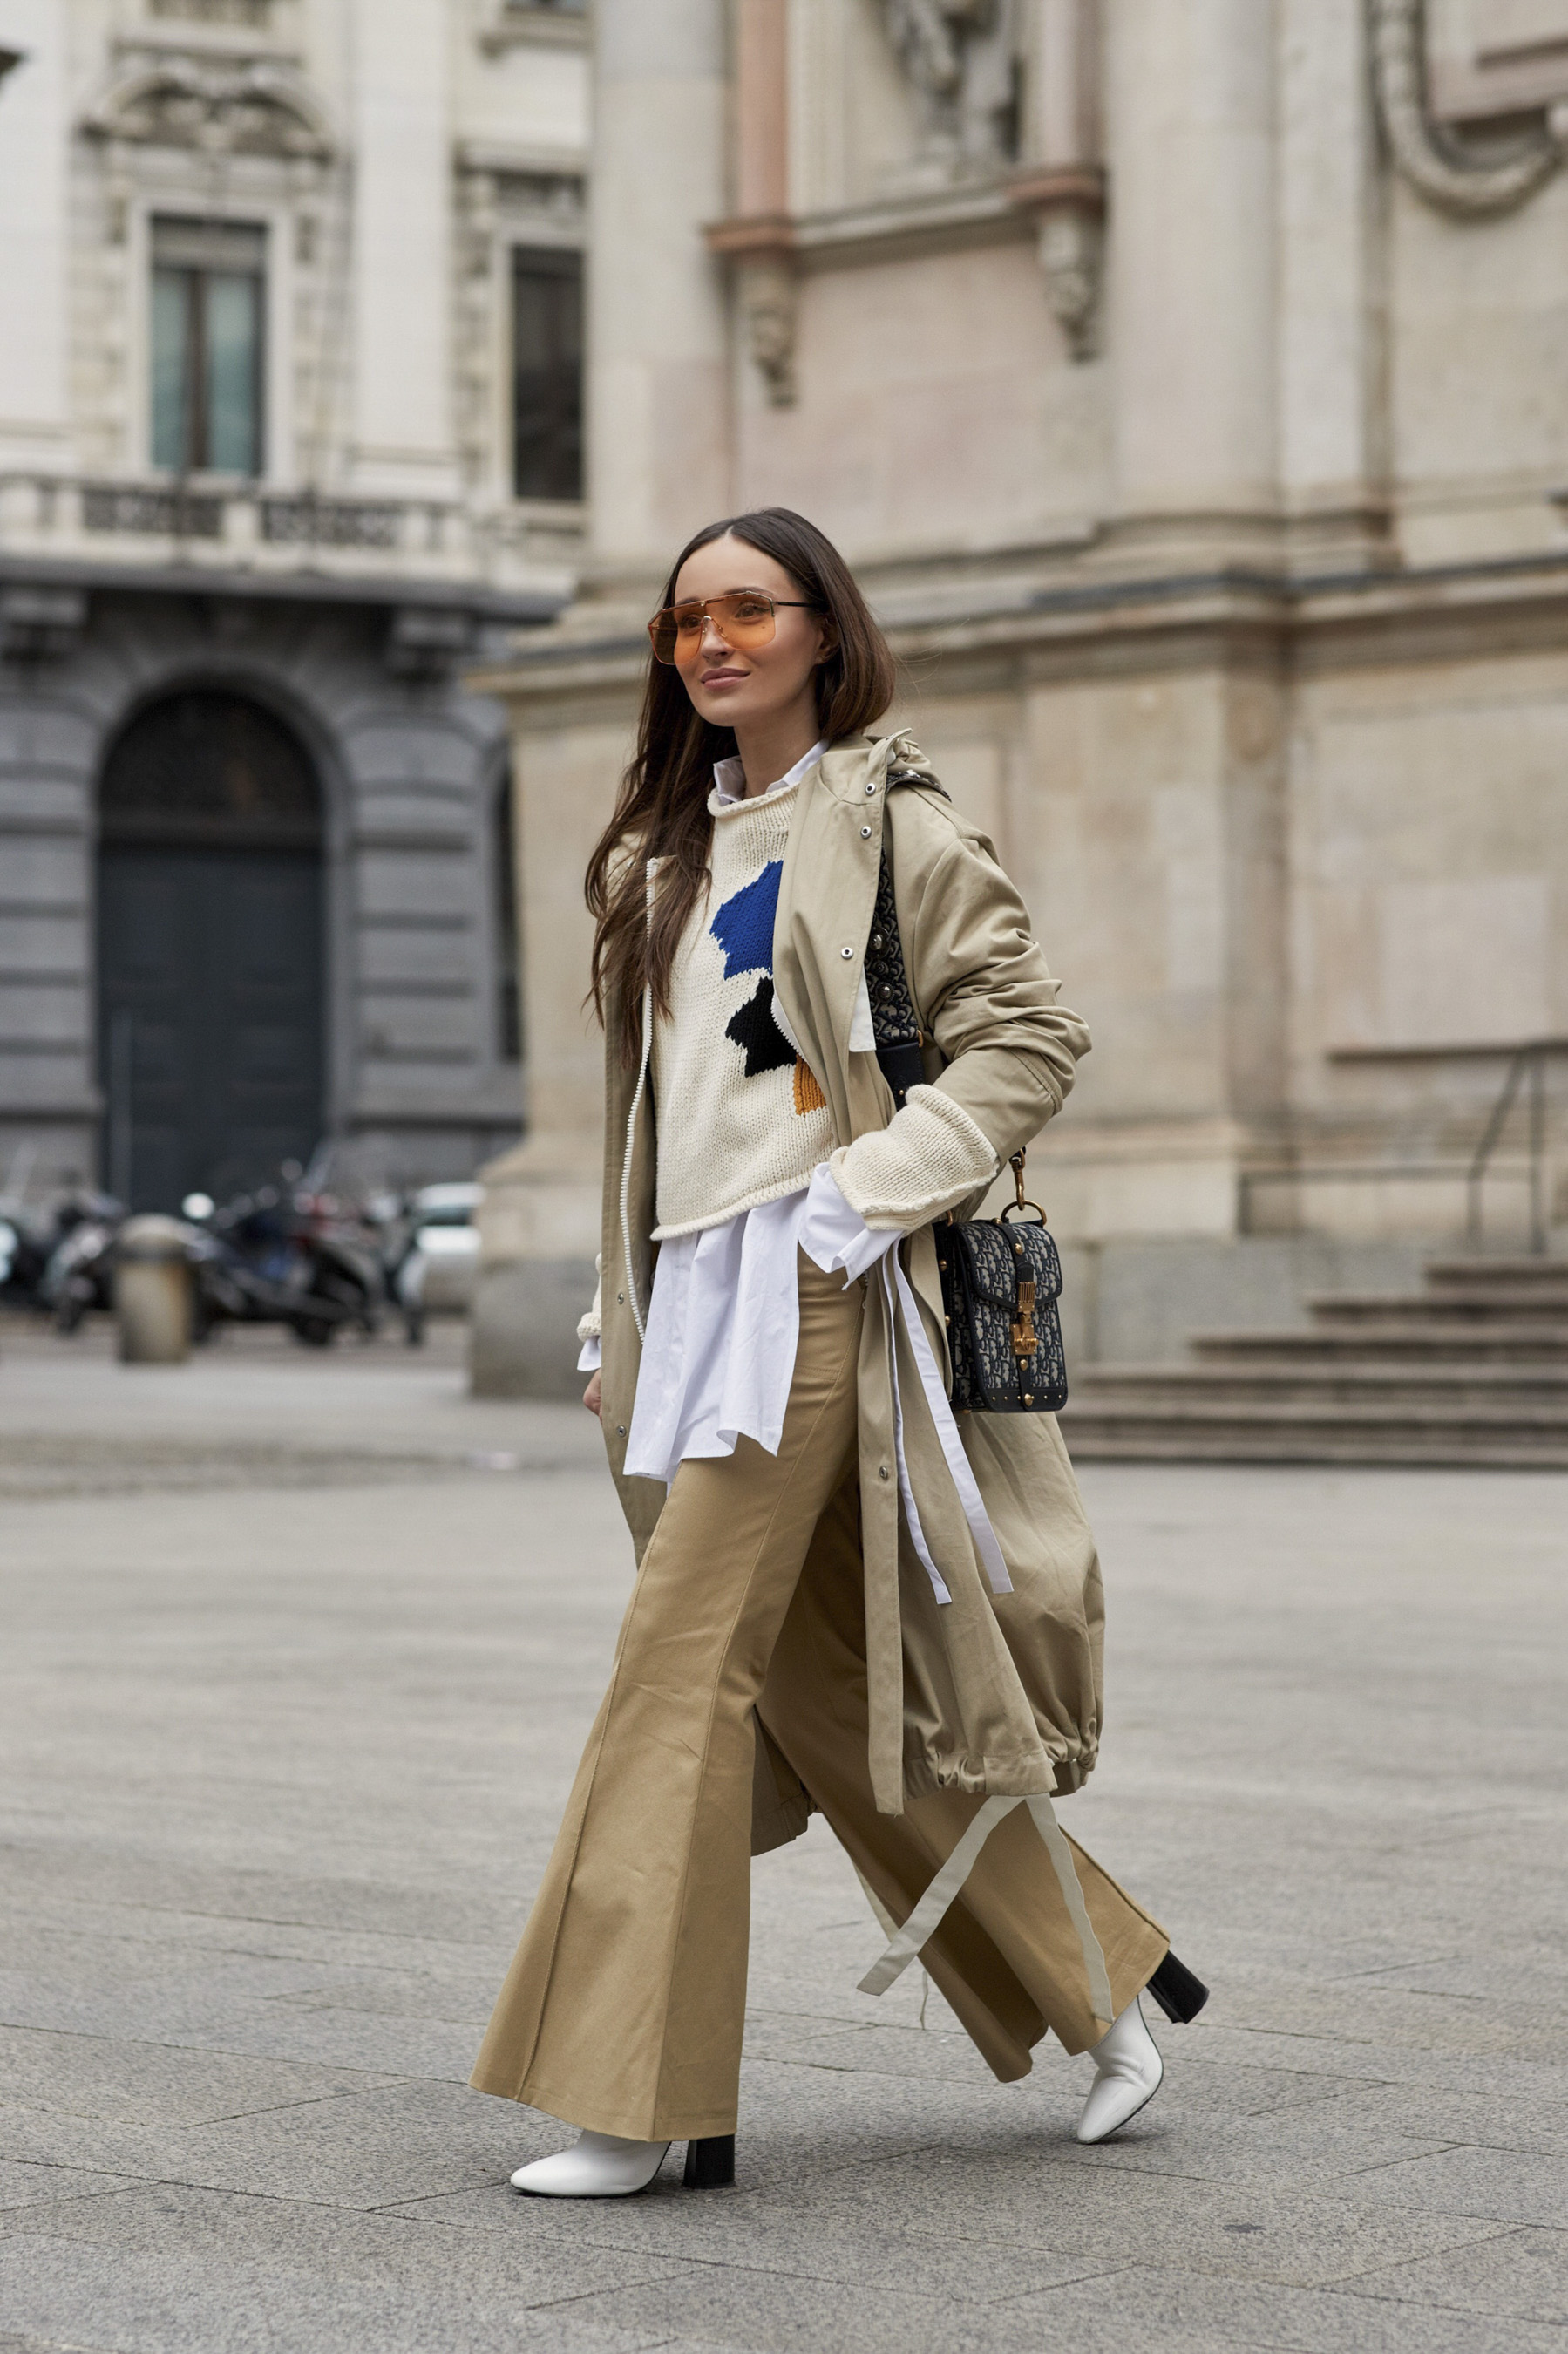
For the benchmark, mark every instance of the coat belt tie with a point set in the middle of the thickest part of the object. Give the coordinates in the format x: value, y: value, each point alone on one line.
x: 944, y: 1888
x: 835, y: 1235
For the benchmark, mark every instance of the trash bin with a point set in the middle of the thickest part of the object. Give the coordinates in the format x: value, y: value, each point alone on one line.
x: 153, y: 1291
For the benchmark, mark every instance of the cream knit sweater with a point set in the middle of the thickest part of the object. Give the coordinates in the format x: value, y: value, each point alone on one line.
x: 741, y: 1118
x: 741, y: 1121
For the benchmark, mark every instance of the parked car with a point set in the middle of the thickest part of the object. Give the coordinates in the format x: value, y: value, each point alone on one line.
x: 435, y: 1273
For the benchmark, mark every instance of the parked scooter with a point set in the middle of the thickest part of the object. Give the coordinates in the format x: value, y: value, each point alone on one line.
x: 78, y: 1277
x: 52, y: 1254
x: 25, y: 1241
x: 283, y: 1255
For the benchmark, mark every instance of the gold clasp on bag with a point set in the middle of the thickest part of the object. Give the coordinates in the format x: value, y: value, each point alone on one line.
x: 1024, y: 1342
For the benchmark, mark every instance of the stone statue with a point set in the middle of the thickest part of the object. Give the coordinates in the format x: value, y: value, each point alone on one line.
x: 962, y: 56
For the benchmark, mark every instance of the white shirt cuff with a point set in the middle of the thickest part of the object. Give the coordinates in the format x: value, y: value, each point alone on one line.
x: 834, y: 1235
x: 589, y: 1360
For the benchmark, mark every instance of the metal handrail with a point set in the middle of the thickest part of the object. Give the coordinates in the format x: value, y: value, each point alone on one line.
x: 1530, y: 1058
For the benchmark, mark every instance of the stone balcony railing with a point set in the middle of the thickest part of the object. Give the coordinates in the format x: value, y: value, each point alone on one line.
x: 216, y: 525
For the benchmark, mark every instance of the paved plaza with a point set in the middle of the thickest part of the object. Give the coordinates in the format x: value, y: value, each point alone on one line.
x: 296, y: 1657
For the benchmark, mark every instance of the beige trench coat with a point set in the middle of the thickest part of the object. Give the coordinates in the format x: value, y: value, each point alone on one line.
x: 996, y: 1695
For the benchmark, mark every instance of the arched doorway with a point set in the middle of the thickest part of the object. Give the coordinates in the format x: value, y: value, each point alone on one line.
x: 210, y: 949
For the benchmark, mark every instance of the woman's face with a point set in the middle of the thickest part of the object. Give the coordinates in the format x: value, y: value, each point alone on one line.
x: 736, y: 686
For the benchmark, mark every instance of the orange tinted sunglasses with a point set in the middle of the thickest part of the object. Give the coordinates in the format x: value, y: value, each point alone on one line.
x: 745, y: 618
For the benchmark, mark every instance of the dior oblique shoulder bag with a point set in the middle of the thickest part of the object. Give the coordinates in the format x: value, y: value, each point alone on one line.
x: 1000, y: 1277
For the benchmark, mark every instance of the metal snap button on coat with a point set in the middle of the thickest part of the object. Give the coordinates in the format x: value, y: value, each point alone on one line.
x: 871, y: 789
x: 620, y: 1430
x: 846, y: 952
x: 882, y: 1471
x: 865, y: 833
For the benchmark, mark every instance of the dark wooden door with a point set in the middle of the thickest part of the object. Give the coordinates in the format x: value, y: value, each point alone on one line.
x: 211, y: 977
x: 210, y: 951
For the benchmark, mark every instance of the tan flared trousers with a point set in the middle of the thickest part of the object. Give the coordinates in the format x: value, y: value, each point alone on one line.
x: 624, y: 2005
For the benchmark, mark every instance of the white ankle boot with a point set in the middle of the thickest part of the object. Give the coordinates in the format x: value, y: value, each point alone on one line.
x: 597, y: 2166
x: 1128, y: 2072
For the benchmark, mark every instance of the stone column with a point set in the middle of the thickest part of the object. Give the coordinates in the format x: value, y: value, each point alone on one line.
x: 758, y: 237
x: 659, y: 453
x: 1062, y: 182
x: 1331, y: 457
x: 1176, y: 757
x: 34, y: 146
x: 659, y: 464
x: 403, y: 426
x: 1062, y: 128
x: 1192, y: 327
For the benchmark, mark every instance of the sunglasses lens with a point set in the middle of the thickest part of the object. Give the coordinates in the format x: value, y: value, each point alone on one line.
x: 677, y: 633
x: 744, y: 620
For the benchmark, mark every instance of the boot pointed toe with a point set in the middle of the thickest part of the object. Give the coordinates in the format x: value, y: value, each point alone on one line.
x: 1128, y: 2072
x: 597, y: 2166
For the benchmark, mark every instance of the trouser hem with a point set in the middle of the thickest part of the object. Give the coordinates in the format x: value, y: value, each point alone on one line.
x: 628, y: 2124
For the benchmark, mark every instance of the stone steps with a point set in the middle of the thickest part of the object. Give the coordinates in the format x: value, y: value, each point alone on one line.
x: 1389, y: 1337
x: 1472, y: 1370
x: 1499, y: 1276
x: 1459, y: 1306
x: 1488, y: 1386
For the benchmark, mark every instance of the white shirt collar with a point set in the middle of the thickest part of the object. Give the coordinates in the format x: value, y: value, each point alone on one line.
x: 729, y: 776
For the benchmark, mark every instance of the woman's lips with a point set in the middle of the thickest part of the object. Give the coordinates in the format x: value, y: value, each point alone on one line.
x: 721, y: 677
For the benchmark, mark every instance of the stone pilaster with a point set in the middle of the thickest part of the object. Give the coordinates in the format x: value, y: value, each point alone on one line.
x: 657, y: 391
x: 34, y: 429
x: 403, y: 438
x: 659, y: 466
x: 1192, y: 292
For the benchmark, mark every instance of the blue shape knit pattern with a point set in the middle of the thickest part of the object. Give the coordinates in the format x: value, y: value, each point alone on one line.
x: 743, y: 926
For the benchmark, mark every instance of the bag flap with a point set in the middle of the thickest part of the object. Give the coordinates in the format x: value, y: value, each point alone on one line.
x: 992, y: 1265
x: 988, y: 1264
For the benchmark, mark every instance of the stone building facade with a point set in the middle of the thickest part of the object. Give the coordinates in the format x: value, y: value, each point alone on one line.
x: 1184, y: 378
x: 289, y: 431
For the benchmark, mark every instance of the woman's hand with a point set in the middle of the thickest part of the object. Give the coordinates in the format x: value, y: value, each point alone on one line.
x: 593, y: 1396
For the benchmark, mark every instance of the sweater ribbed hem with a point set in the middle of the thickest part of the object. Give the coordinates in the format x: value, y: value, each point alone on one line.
x: 774, y: 1192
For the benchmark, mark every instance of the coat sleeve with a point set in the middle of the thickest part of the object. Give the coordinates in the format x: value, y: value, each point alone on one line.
x: 988, y: 999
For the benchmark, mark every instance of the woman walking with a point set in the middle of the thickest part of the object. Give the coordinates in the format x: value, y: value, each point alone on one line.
x: 846, y: 1600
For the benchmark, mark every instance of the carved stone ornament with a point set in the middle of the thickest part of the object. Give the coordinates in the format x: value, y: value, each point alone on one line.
x: 1430, y: 158
x: 767, y: 300
x: 1071, y: 241
x: 251, y: 107
x: 961, y: 56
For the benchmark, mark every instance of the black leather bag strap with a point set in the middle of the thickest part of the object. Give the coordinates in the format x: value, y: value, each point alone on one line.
x: 895, y: 1024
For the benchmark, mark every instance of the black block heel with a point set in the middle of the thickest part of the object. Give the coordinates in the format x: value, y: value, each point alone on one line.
x: 1180, y: 1995
x: 710, y: 2163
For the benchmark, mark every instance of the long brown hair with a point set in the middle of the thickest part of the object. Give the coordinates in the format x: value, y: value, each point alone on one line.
x: 662, y: 808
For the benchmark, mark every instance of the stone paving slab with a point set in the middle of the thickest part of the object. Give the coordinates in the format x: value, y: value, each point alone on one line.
x: 280, y: 1763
